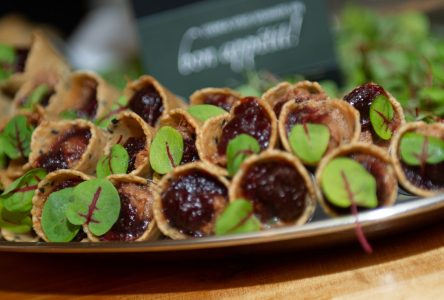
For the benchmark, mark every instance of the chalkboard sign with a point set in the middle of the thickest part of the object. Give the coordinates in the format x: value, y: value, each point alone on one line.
x: 188, y: 45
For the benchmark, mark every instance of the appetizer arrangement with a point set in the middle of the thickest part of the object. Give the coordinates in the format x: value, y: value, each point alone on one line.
x: 81, y: 161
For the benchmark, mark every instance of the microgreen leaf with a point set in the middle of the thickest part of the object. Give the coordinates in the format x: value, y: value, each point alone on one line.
x: 239, y: 149
x: 204, y: 112
x: 237, y: 217
x: 346, y: 181
x: 166, y: 150
x: 36, y: 96
x: 309, y: 141
x: 68, y: 114
x: 54, y: 222
x: 7, y: 58
x: 96, y: 203
x: 17, y: 137
x: 18, y: 195
x: 3, y: 156
x: 417, y: 149
x: 16, y: 222
x: 381, y: 116
x: 114, y: 163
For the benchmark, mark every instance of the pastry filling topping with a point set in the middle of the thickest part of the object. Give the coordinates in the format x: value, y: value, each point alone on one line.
x: 249, y: 118
x: 147, y: 103
x: 67, y: 149
x: 191, y: 202
x: 88, y: 97
x: 221, y: 100
x: 133, y: 146
x: 277, y: 190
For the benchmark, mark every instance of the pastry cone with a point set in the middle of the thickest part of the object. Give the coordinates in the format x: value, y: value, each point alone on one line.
x: 340, y: 117
x: 42, y: 61
x: 278, y: 186
x: 74, y: 145
x: 16, y: 237
x: 86, y: 94
x: 362, y: 104
x: 299, y: 92
x: 15, y: 30
x: 250, y: 116
x: 188, y: 127
x: 426, y: 182
x: 222, y: 97
x: 135, y: 135
x: 188, y: 201
x: 53, y: 182
x: 376, y: 161
x: 136, y: 220
x: 150, y: 100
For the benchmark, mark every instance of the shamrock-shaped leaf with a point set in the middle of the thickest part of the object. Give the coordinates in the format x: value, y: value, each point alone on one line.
x: 54, y: 222
x: 381, y: 116
x: 417, y: 149
x: 204, y: 112
x: 309, y: 141
x: 346, y: 181
x: 17, y: 138
x: 18, y: 195
x: 96, y: 203
x: 114, y: 163
x: 16, y: 222
x: 237, y: 217
x: 166, y: 150
x: 36, y: 96
x: 239, y: 149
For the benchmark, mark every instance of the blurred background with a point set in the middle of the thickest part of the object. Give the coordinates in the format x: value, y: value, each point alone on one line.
x: 251, y: 45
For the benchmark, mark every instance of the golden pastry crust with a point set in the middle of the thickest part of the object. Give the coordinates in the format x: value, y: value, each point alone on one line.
x: 209, y: 136
x: 44, y: 189
x: 198, y: 97
x: 236, y: 190
x: 129, y: 124
x: 47, y: 133
x: 359, y: 148
x: 162, y: 221
x: 340, y: 117
x: 435, y: 130
x: 143, y: 203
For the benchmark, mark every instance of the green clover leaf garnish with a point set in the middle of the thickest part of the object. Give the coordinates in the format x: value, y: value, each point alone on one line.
x: 3, y: 156
x: 417, y: 149
x: 36, y: 96
x: 68, y: 114
x: 16, y: 222
x: 17, y: 138
x: 239, y: 149
x: 7, y: 58
x: 346, y: 181
x: 114, y: 163
x: 18, y: 195
x: 204, y: 112
x: 381, y: 116
x: 54, y: 222
x: 309, y: 141
x: 96, y: 204
x: 237, y: 217
x: 166, y: 150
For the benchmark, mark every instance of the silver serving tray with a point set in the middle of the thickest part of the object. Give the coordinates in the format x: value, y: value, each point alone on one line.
x: 409, y: 212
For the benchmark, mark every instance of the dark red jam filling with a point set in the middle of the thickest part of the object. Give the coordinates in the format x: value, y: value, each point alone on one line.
x: 221, y: 100
x: 147, y: 103
x: 377, y: 168
x: 298, y: 95
x: 361, y: 98
x: 304, y: 115
x: 277, y: 190
x: 21, y: 55
x: 189, y: 201
x: 429, y: 177
x: 89, y: 99
x: 129, y: 226
x: 68, y: 148
x: 249, y: 118
x: 189, y: 149
x: 133, y: 146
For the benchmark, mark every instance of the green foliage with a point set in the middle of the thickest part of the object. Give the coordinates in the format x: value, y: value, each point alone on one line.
x: 309, y: 141
x: 381, y: 116
x: 114, y: 163
x: 204, y: 112
x: 16, y: 138
x: 238, y: 150
x: 7, y: 58
x: 417, y: 149
x: 345, y: 181
x: 237, y: 217
x: 16, y: 222
x: 36, y: 96
x: 166, y: 150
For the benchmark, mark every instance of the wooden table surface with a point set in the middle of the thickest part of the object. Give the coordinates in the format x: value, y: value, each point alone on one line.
x: 408, y: 265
